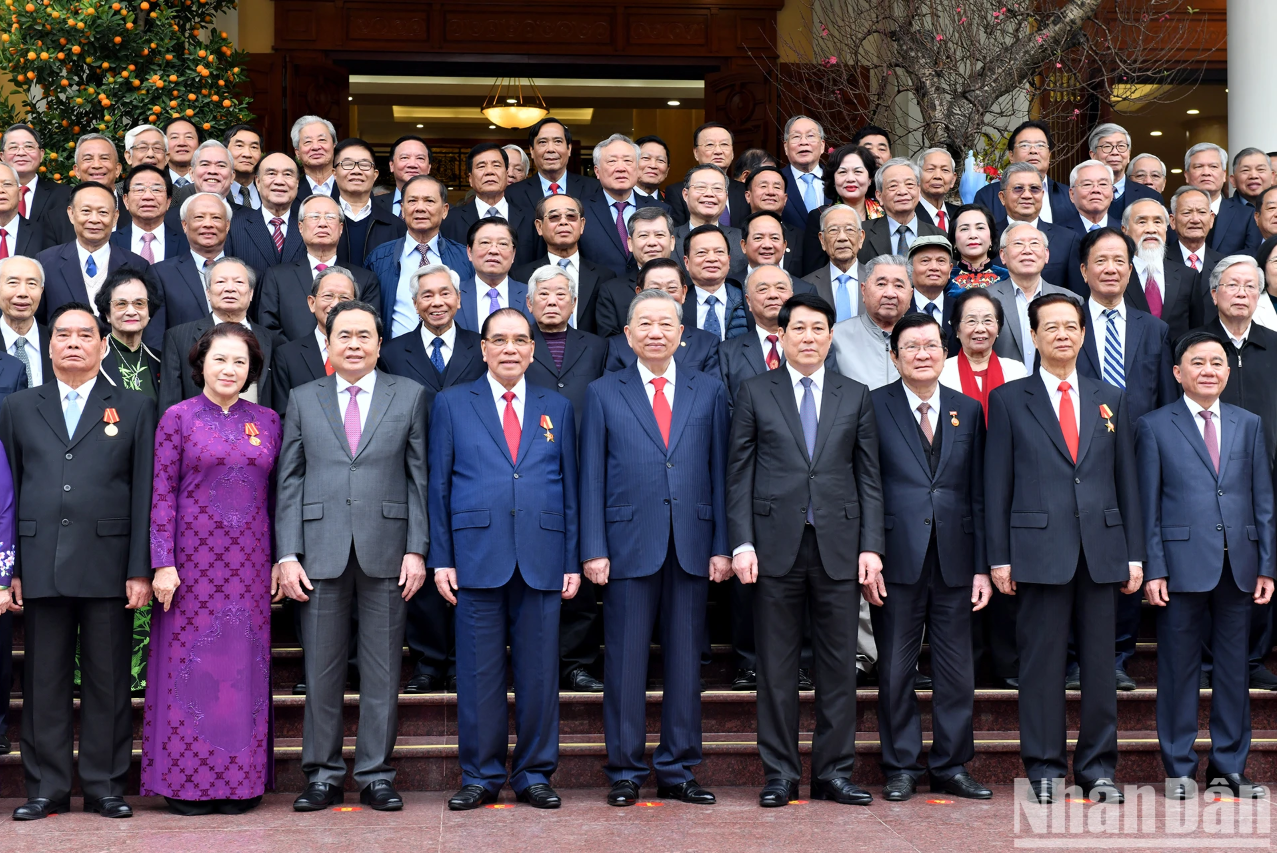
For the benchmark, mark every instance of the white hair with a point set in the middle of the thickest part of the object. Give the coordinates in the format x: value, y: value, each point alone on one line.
x: 547, y: 273
x: 1104, y: 130
x: 322, y: 197
x: 923, y: 155
x: 39, y: 266
x: 134, y: 133
x: 897, y: 161
x: 1013, y: 225
x: 1074, y: 173
x: 791, y: 123
x: 334, y: 270
x: 617, y: 137
x: 1127, y: 214
x: 821, y: 218
x: 212, y: 144
x: 13, y: 170
x: 1187, y: 188
x: 520, y: 151
x: 227, y: 259
x: 433, y: 269
x: 226, y: 205
x: 1163, y: 170
x: 868, y: 269
x: 1230, y: 261
x: 296, y: 133
x: 1206, y: 146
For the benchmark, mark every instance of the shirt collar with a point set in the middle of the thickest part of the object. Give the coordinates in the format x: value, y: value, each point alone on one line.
x: 835, y: 274
x: 31, y: 184
x: 928, y: 206
x: 519, y: 389
x: 322, y: 341
x: 1195, y: 408
x: 10, y: 335
x: 818, y: 377
x: 351, y: 213
x: 1051, y: 382
x: 1186, y: 252
x: 1018, y: 293
x: 1105, y: 221
x: 503, y: 207
x: 82, y: 393
x: 913, y: 400
x: 449, y: 336
x: 200, y: 259
x: 1120, y: 185
x: 365, y: 382
x: 175, y: 177
x: 158, y: 230
x: 797, y: 172
x: 703, y: 295
x: 921, y: 300
x: 647, y: 376
x: 99, y: 257
x: 1096, y: 309
x: 324, y: 188
x: 267, y: 216
x: 410, y: 246
x: 763, y: 339
x: 312, y: 260
x: 1236, y: 341
x: 574, y: 260
x: 546, y: 183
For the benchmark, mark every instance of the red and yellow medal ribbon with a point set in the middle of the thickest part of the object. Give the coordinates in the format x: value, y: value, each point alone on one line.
x: 251, y: 430
x: 111, y: 416
x: 1105, y: 411
x: 546, y: 422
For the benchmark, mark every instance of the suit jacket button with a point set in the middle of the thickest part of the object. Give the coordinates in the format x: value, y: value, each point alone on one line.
x: 928, y: 521
x: 348, y: 501
x: 670, y: 464
x: 1220, y: 492
x: 1218, y: 526
x: 517, y: 476
x: 666, y: 501
x: 68, y: 456
x: 1076, y: 481
x: 561, y: 384
x: 352, y: 467
x: 66, y: 488
x: 512, y: 512
x: 65, y: 522
x: 1076, y: 515
x: 812, y: 476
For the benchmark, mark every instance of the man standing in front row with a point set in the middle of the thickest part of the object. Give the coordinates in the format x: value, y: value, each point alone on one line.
x: 351, y: 508
x: 504, y: 548
x: 804, y: 496
x: 1063, y: 533
x: 1205, y: 481
x: 653, y: 529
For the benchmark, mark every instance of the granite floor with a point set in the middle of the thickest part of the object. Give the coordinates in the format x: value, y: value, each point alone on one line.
x: 930, y: 823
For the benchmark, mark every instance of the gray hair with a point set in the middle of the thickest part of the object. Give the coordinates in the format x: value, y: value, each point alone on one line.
x: 1247, y: 152
x: 39, y: 266
x: 1127, y: 214
x: 547, y: 273
x: 89, y: 137
x: 1229, y: 261
x: 650, y: 214
x: 21, y: 128
x: 1074, y: 173
x: 617, y: 137
x: 13, y: 170
x: 312, y: 197
x: 1201, y: 147
x: 868, y: 269
x: 821, y: 218
x: 645, y: 295
x: 212, y: 144
x: 226, y: 205
x: 791, y: 123
x: 433, y: 269
x: 334, y: 270
x: 295, y: 134
x: 227, y: 259
x: 1015, y: 168
x: 518, y: 150
x: 134, y: 133
x: 1014, y: 224
x: 1107, y: 129
x: 897, y: 161
x: 937, y: 149
x: 1163, y: 170
x: 1182, y: 190
x: 705, y: 167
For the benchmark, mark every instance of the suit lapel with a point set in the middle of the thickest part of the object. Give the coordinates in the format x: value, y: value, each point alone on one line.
x: 1186, y: 423
x: 51, y: 409
x: 1042, y: 408
x: 784, y: 394
x: 947, y: 431
x: 534, y: 408
x: 1136, y: 330
x: 542, y: 353
x: 608, y: 219
x: 573, y: 350
x: 312, y: 357
x: 90, y: 412
x: 326, y: 392
x: 191, y: 277
x: 679, y: 412
x: 1092, y: 350
x: 825, y: 423
x: 383, y: 393
x: 1089, y: 418
x: 755, y: 352
x: 467, y: 294
x: 420, y: 363
x: 464, y: 352
x: 637, y: 398
x: 71, y: 273
x: 899, y: 408
x: 482, y: 402
x: 1229, y: 434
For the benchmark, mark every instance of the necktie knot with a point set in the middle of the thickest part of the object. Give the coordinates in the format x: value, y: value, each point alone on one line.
x: 321, y: 267
x: 931, y: 310
x: 1111, y: 314
x: 508, y: 396
x: 72, y: 396
x: 555, y: 188
x: 563, y: 263
x: 807, y: 382
x: 353, y: 390
x: 1194, y: 261
x: 492, y: 211
x: 843, y: 279
x: 772, y: 339
x: 147, y: 239
x: 1063, y: 386
x: 659, y: 383
x: 1093, y: 227
x: 1206, y: 415
x: 276, y: 222
x: 712, y: 300
x: 923, y: 408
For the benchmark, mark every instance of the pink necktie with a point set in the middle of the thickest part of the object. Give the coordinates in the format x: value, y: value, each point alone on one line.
x: 146, y: 254
x: 1153, y: 297
x: 351, y: 422
x: 622, y: 233
x: 1194, y: 261
x: 321, y: 267
x: 1210, y: 439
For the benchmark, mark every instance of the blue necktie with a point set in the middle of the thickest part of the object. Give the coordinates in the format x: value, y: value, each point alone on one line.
x: 1113, y: 366
x: 712, y: 319
x: 810, y: 190
x: 493, y: 211
x: 72, y: 413
x: 90, y: 267
x: 437, y: 354
x: 808, y: 420
x: 563, y: 264
x: 843, y: 302
x: 1093, y: 227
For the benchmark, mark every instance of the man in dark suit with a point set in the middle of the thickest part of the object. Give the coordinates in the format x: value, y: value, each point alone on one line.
x: 1192, y: 220
x: 930, y: 265
x: 650, y: 235
x: 698, y: 350
x: 897, y: 188
x: 763, y: 243
x: 74, y: 271
x: 938, y: 177
x: 1132, y: 351
x: 269, y: 236
x: 838, y: 280
x: 1161, y: 287
x: 803, y: 143
x: 712, y: 145
x: 314, y: 139
x: 1234, y: 229
x: 40, y: 199
x: 611, y: 205
x: 1061, y: 500
x: 1093, y: 194
x: 1204, y: 481
x: 505, y: 551
x: 705, y: 194
x: 805, y: 438
x: 409, y: 157
x: 307, y: 358
x: 559, y: 222
x: 486, y: 166
x: 19, y: 235
x: 718, y: 304
x: 212, y: 171
x: 82, y: 565
x: 21, y: 288
x: 229, y: 285
x: 206, y: 222
x: 150, y: 234
x: 766, y: 190
x: 1112, y: 145
x: 931, y: 442
x: 491, y: 244
x: 551, y: 145
x: 364, y: 226
x: 654, y: 165
x: 1031, y: 142
x: 282, y: 296
x: 1021, y: 196
x: 642, y: 452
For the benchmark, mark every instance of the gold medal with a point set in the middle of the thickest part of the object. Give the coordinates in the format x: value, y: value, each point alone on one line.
x: 111, y: 417
x: 255, y: 441
x: 111, y: 430
x: 251, y: 430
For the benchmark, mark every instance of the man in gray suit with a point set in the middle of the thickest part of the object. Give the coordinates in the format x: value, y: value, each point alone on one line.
x: 706, y: 195
x: 352, y: 504
x: 841, y: 237
x: 1024, y: 251
x: 861, y: 344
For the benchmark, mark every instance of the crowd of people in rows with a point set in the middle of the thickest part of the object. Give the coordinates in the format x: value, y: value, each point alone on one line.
x: 560, y: 414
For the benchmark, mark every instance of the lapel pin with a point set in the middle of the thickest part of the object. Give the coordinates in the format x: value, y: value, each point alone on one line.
x: 1107, y: 414
x: 548, y: 426
x: 954, y: 418
x: 111, y: 417
x: 251, y: 430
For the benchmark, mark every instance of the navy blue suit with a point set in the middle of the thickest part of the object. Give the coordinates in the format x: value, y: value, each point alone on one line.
x: 935, y: 541
x: 175, y: 241
x: 1235, y: 230
x: 1058, y: 201
x: 1133, y: 192
x: 467, y: 316
x: 509, y: 528
x: 64, y: 282
x: 182, y: 292
x: 1062, y: 268
x: 1193, y: 514
x: 250, y: 240
x: 657, y: 512
x: 600, y: 243
x: 697, y: 350
x: 795, y: 213
x: 384, y: 262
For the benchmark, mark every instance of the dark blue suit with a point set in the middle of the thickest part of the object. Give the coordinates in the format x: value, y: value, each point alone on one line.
x: 1193, y: 514
x: 657, y: 513
x: 1133, y: 192
x: 64, y: 281
x: 1062, y: 268
x: 600, y: 243
x: 250, y: 240
x: 13, y: 377
x: 384, y: 262
x: 510, y: 530
x: 935, y: 541
x: 1235, y: 230
x: 794, y: 213
x: 697, y: 350
x: 1058, y: 201
x: 175, y: 241
x: 467, y: 318
x: 181, y: 290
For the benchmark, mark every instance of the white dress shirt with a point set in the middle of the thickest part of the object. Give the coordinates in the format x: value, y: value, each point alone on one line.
x: 247, y: 196
x: 921, y: 300
x: 404, y: 315
x: 546, y: 183
x: 1046, y: 209
x: 934, y: 404
x: 520, y: 390
x: 1051, y: 382
x: 1215, y: 204
x: 503, y: 289
x: 1105, y: 220
x: 1199, y: 253
x: 32, y: 338
x: 363, y: 400
x: 157, y: 245
x: 267, y: 216
x: 1023, y: 318
x: 766, y: 345
x: 932, y: 211
x: 353, y: 214
x: 1143, y: 272
x: 721, y: 307
x: 325, y: 188
x: 1195, y: 409
x: 802, y: 186
x: 1035, y: 222
x: 647, y: 376
x: 31, y: 193
x: 1098, y: 321
x: 448, y: 339
x: 502, y: 206
x: 854, y: 291
x: 324, y: 344
x: 175, y: 177
x: 82, y: 394
x: 92, y: 284
x: 11, y: 234
x: 314, y: 262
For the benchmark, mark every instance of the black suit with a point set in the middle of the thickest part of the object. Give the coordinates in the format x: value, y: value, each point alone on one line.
x: 384, y: 227
x: 285, y: 288
x: 738, y: 208
x: 46, y: 363
x: 64, y: 280
x: 1069, y: 530
x: 1202, y: 309
x: 182, y: 292
x: 1133, y: 193
x: 49, y: 208
x: 528, y: 192
x: 1062, y: 268
x: 590, y: 277
x: 31, y: 239
x: 465, y: 214
x: 1057, y: 200
x: 936, y: 541
x: 881, y: 236
x: 83, y: 504
x: 613, y: 303
x: 772, y: 482
x: 176, y: 383
x: 1235, y: 229
x: 1179, y: 285
x: 250, y: 240
x: 698, y: 350
x: 295, y: 363
x: 304, y: 189
x: 175, y: 240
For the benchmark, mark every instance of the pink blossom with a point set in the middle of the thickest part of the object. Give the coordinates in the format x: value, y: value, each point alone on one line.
x: 963, y: 20
x: 1058, y: 64
x: 940, y: 37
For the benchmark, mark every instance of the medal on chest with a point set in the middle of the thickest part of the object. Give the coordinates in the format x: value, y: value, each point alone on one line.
x: 111, y: 417
x: 251, y: 430
x: 548, y: 426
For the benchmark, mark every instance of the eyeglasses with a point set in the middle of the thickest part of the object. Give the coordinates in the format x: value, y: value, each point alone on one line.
x: 836, y: 230
x: 977, y: 322
x: 716, y: 146
x: 318, y: 217
x: 713, y: 189
x: 502, y: 342
x: 915, y: 349
x: 1028, y: 189
x: 1022, y: 245
x: 1232, y: 288
x: 811, y: 136
x: 124, y: 304
x: 25, y: 147
x: 352, y: 165
x: 1031, y: 146
x: 152, y: 189
x: 1094, y: 185
x: 143, y: 148
x: 1109, y: 147
x: 562, y: 216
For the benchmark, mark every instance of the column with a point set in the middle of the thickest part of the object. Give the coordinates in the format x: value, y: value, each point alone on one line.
x: 1252, y: 72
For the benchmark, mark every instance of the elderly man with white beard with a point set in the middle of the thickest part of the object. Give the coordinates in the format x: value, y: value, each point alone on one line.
x: 1158, y: 285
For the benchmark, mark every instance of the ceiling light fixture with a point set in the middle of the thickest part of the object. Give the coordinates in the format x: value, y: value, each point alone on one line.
x: 672, y: 103
x: 1192, y: 112
x: 509, y: 104
x: 1174, y: 171
x: 1156, y: 133
x: 421, y: 125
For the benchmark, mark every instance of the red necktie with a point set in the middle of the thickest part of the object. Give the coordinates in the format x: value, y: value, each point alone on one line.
x: 278, y: 235
x: 773, y: 360
x: 1066, y: 414
x: 328, y: 367
x: 662, y: 409
x: 4, y: 243
x: 555, y: 189
x: 511, y: 425
x: 1194, y: 261
x: 941, y: 219
x: 1153, y: 297
x: 22, y: 201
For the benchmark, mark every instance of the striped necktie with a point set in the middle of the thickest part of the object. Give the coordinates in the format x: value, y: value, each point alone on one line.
x: 1113, y: 360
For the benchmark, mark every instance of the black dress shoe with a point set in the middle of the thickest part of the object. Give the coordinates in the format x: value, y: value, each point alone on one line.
x: 841, y: 791
x: 1261, y: 678
x: 899, y: 788
x: 451, y: 684
x: 5, y: 746
x: 1205, y: 680
x: 623, y: 793
x: 581, y: 681
x: 1072, y: 678
x: 317, y: 797
x: 1007, y: 684
x: 38, y: 807
x: 1041, y: 791
x: 778, y: 792
x: 688, y: 792
x: 1240, y: 785
x: 866, y: 679
x: 960, y: 785
x: 806, y: 679
x: 381, y: 796
x: 1104, y: 791
x: 1124, y: 681
x: 108, y: 807
x: 299, y: 689
x: 424, y: 683
x: 923, y: 682
x: 744, y: 680
x: 539, y: 796
x: 470, y: 797
x: 1180, y: 787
